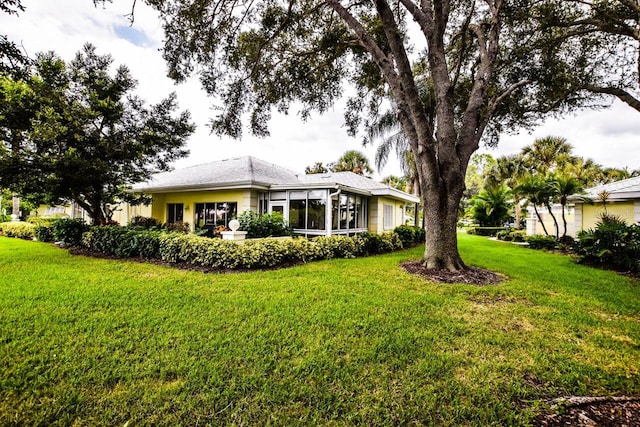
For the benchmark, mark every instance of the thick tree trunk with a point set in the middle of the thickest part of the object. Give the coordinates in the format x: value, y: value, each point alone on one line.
x: 441, y: 215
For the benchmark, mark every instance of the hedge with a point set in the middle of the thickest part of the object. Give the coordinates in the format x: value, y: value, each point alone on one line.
x: 21, y: 230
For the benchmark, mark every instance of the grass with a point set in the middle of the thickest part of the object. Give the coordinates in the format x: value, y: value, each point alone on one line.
x: 342, y: 342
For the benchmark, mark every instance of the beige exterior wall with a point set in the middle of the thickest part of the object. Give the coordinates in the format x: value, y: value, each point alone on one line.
x: 624, y: 210
x: 535, y: 227
x: 246, y: 199
x: 124, y: 213
x: 377, y: 214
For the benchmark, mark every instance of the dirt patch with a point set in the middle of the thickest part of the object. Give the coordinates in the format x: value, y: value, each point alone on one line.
x: 607, y: 412
x: 471, y: 276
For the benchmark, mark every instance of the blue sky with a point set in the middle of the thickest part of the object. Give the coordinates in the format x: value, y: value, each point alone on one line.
x: 610, y: 137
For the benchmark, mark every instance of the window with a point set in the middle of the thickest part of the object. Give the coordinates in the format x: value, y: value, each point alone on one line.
x: 348, y: 212
x: 387, y: 216
x: 297, y: 213
x: 212, y: 215
x: 175, y: 212
x: 316, y: 214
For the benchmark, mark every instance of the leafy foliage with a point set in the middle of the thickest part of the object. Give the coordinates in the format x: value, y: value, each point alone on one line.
x: 541, y: 242
x: 123, y: 242
x: 492, y: 206
x: 410, y: 235
x: 21, y: 230
x: 69, y: 231
x: 612, y: 243
x: 266, y: 225
x: 75, y: 132
x: 145, y: 222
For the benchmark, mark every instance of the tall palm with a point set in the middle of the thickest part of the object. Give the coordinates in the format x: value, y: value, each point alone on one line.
x: 564, y: 186
x: 508, y: 170
x: 353, y: 161
x: 548, y: 154
x: 535, y: 189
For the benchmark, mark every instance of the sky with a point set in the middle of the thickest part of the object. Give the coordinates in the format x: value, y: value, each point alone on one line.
x: 610, y: 137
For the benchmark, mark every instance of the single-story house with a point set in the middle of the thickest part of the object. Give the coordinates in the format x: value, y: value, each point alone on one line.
x: 583, y: 211
x: 211, y: 194
x: 620, y: 199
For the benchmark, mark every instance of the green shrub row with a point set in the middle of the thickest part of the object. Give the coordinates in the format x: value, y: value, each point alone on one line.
x: 224, y: 254
x: 485, y: 231
x: 123, y: 242
x: 20, y: 230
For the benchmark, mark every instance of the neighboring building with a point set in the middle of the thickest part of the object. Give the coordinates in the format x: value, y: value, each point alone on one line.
x: 209, y: 195
x: 535, y: 227
x: 122, y: 213
x: 620, y: 199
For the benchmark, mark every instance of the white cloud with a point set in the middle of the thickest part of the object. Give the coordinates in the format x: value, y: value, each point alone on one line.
x: 608, y: 137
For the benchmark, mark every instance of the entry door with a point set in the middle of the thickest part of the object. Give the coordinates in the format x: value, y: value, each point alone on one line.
x: 279, y: 207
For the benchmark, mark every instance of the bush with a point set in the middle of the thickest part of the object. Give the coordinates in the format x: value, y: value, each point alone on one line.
x: 511, y: 235
x: 44, y: 232
x: 69, y: 231
x: 485, y: 231
x: 20, y: 230
x: 541, y: 242
x: 145, y: 223
x: 410, y: 235
x: 177, y: 227
x: 613, y: 243
x: 124, y: 242
x: 224, y: 254
x: 268, y: 225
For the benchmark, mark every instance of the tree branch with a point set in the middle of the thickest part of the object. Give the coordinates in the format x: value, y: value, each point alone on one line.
x: 621, y: 94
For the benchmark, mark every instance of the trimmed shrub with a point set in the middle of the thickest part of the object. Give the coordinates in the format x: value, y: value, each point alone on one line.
x: 512, y: 235
x: 69, y: 231
x: 20, y: 230
x: 541, y: 242
x: 485, y: 231
x: 410, y: 235
x: 44, y: 232
x: 123, y: 242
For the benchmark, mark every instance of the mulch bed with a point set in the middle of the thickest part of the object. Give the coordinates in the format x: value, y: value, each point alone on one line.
x: 471, y: 276
x: 606, y: 413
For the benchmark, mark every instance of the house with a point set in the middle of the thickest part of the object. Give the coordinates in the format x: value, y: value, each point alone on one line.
x: 620, y: 199
x: 210, y: 195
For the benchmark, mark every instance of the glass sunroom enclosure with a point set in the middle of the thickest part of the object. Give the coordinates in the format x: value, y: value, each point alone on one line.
x: 319, y: 212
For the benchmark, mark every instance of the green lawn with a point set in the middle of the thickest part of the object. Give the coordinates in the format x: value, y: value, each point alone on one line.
x: 101, y: 342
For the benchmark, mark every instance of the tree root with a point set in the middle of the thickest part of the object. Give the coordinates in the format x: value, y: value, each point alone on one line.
x: 572, y: 401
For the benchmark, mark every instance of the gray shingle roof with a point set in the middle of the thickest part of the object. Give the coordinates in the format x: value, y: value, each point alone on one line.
x: 620, y: 189
x: 236, y: 171
x: 247, y: 171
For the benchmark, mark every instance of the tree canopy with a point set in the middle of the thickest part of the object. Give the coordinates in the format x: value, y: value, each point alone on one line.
x: 75, y: 132
x: 492, y: 65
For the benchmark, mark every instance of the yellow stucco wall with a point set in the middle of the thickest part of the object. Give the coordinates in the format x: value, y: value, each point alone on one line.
x: 124, y: 213
x: 591, y: 213
x: 246, y: 199
x: 376, y: 214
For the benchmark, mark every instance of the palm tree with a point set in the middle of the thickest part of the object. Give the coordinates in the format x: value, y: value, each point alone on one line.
x: 535, y: 189
x: 508, y: 170
x: 353, y: 161
x: 388, y: 131
x: 492, y: 206
x: 397, y: 182
x: 548, y: 154
x: 564, y: 186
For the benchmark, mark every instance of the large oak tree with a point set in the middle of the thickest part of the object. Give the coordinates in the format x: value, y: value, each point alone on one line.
x: 493, y: 65
x: 75, y: 132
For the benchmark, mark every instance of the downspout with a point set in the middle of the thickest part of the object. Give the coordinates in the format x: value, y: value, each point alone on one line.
x: 329, y: 211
